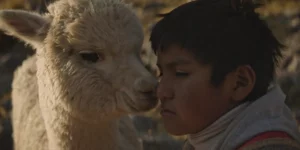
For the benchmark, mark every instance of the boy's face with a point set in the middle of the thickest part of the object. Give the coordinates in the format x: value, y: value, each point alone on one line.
x: 189, y: 101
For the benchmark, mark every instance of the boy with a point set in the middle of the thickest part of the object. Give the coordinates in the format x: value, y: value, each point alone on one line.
x: 217, y: 62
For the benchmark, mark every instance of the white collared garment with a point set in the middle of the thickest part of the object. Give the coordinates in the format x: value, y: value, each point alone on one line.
x: 208, y: 138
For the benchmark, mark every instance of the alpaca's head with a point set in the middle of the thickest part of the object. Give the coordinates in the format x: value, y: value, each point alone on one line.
x: 95, y: 46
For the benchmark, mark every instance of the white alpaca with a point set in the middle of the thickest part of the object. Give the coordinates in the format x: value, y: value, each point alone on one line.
x: 86, y: 76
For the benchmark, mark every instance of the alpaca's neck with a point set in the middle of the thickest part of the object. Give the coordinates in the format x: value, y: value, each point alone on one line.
x: 67, y: 133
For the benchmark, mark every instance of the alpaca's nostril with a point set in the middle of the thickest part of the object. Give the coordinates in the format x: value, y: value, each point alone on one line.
x: 146, y: 85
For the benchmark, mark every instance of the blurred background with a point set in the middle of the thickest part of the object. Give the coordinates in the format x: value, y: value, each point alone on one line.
x: 282, y: 16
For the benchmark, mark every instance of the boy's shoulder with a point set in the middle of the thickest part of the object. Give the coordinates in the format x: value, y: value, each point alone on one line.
x: 273, y: 144
x: 276, y: 140
x: 271, y: 141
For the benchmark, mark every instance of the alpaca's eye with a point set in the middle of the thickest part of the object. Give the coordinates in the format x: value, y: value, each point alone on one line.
x: 90, y: 56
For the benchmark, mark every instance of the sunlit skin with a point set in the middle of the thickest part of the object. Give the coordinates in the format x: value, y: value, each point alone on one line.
x: 189, y: 101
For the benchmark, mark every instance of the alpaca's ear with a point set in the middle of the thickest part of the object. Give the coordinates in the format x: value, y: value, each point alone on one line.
x: 27, y: 26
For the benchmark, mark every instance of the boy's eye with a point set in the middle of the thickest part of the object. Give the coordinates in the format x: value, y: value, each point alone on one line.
x: 181, y: 74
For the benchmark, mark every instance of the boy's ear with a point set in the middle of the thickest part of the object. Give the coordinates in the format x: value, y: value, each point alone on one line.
x: 244, y: 83
x: 30, y: 27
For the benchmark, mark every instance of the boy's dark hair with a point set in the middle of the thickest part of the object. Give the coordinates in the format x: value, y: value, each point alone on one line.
x: 225, y: 34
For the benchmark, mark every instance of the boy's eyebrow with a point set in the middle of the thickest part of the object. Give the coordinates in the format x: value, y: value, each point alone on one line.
x: 178, y: 61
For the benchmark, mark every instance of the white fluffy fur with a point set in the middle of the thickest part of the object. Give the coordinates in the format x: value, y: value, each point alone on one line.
x: 60, y: 101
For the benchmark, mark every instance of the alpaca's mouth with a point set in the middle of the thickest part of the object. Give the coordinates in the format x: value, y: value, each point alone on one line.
x: 147, y: 102
x: 138, y: 104
x: 129, y: 102
x: 132, y: 106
